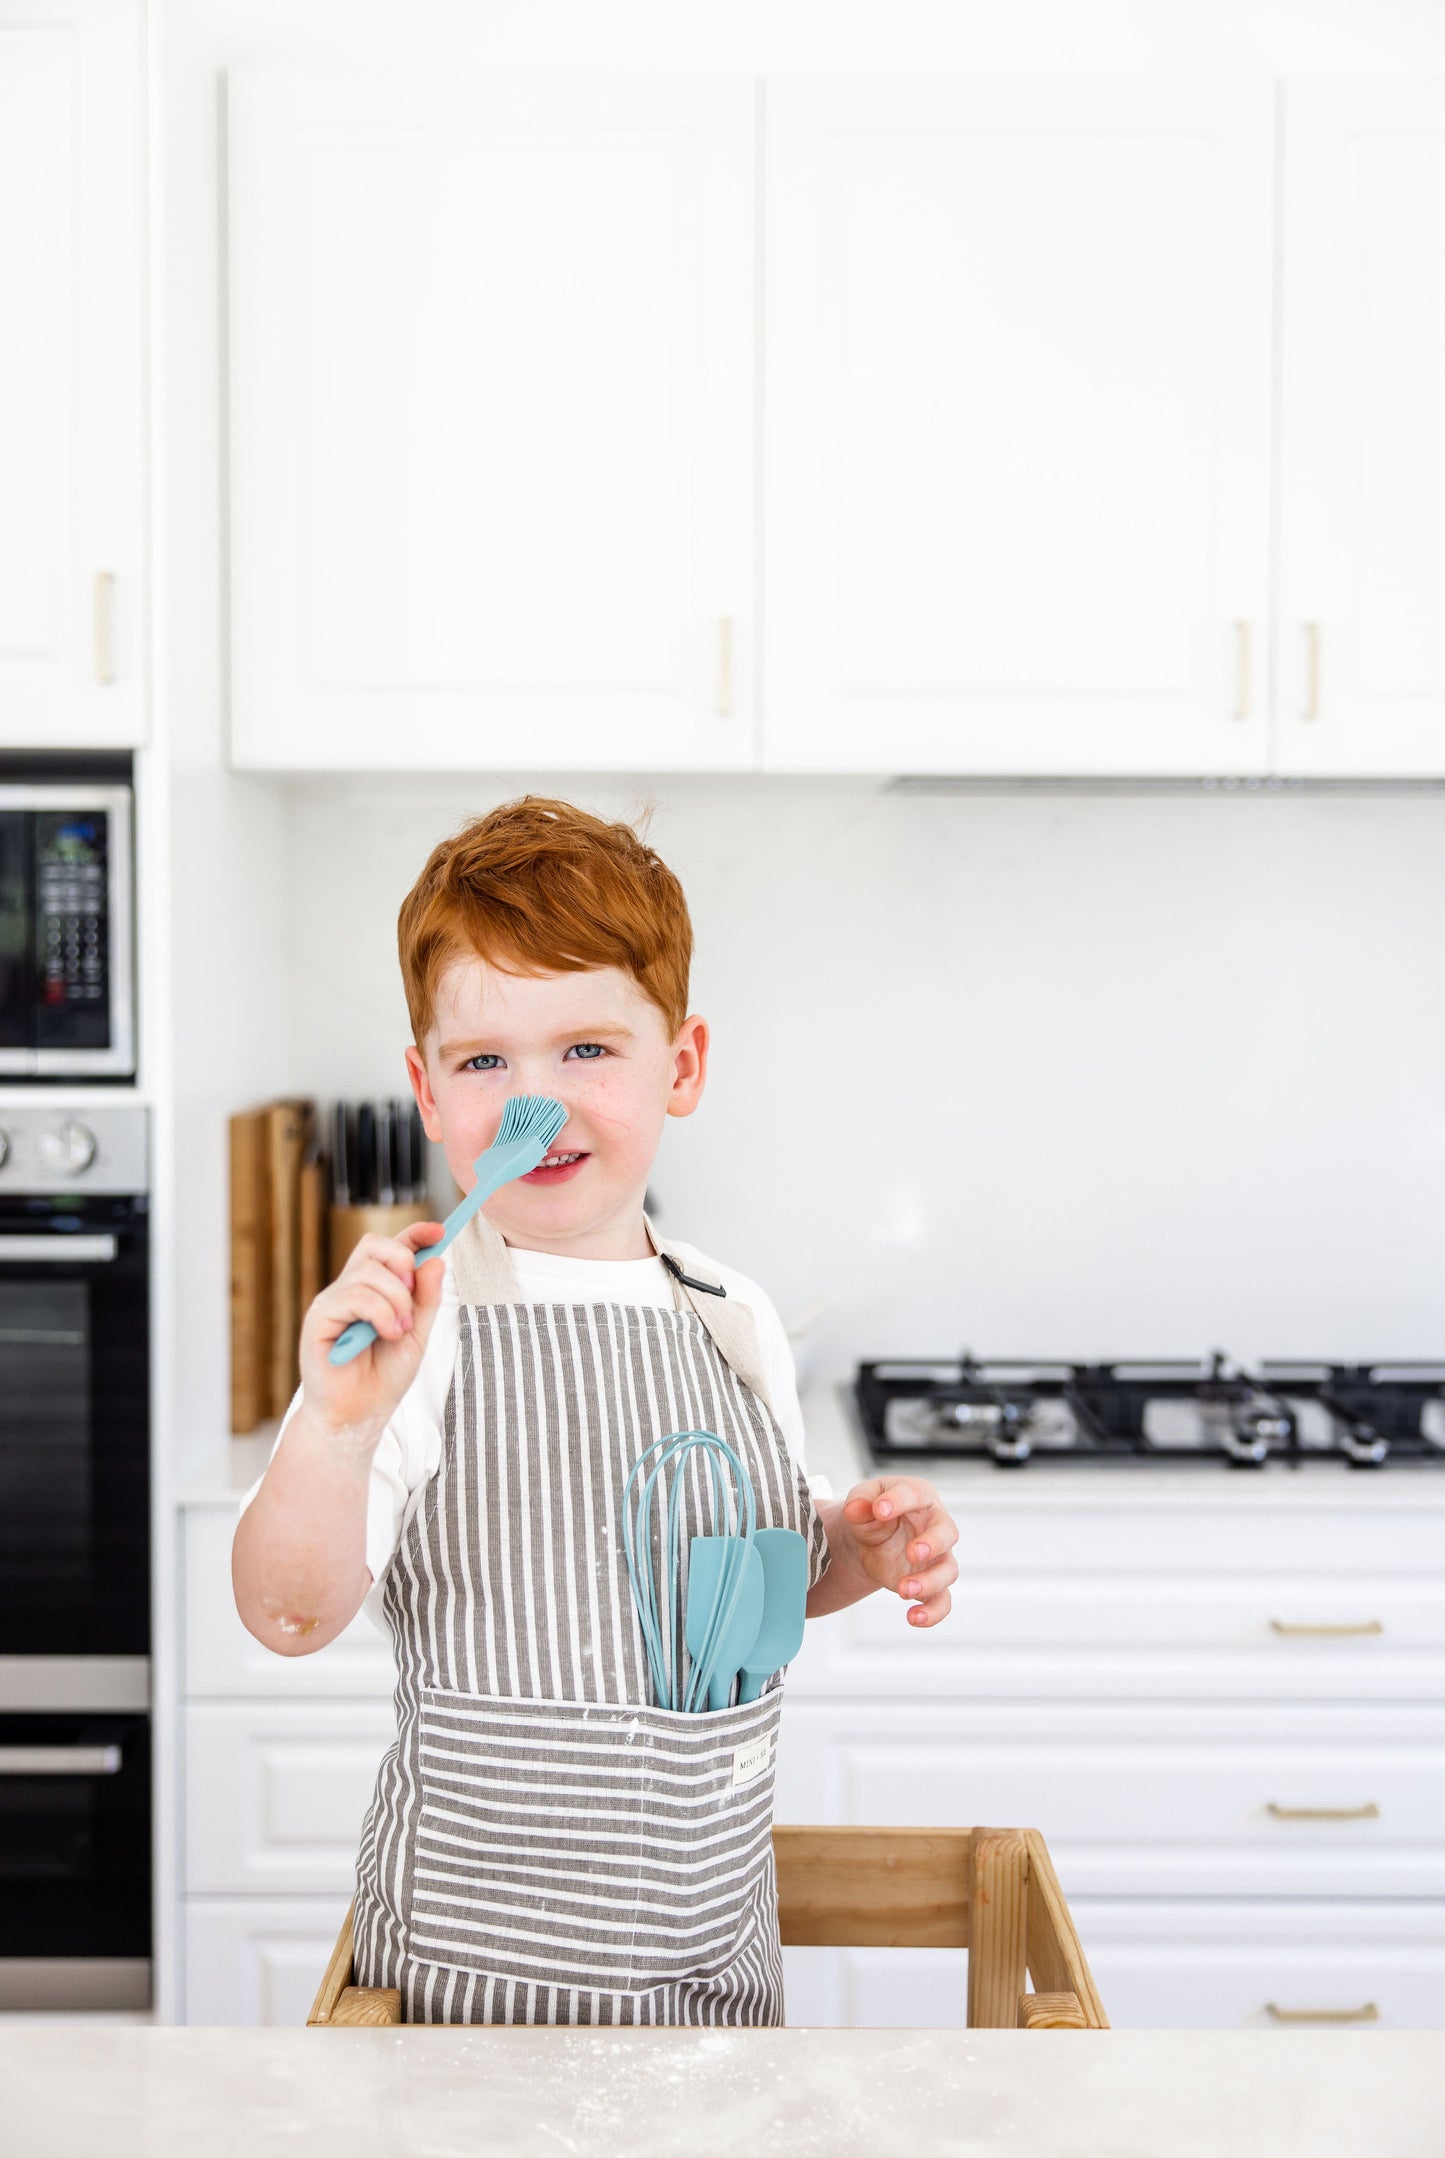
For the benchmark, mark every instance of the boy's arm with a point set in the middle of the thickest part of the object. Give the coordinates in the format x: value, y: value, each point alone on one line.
x: 298, y: 1563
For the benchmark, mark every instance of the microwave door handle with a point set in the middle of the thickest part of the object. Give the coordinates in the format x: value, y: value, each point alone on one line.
x: 61, y: 1250
x: 59, y: 1760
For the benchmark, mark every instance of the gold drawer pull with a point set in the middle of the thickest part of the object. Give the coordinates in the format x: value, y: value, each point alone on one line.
x: 1368, y: 1812
x: 1312, y: 671
x: 104, y: 591
x: 1368, y: 2014
x: 1333, y: 1633
x: 724, y: 666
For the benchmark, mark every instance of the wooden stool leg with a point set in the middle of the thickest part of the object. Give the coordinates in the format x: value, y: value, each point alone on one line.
x: 1050, y: 2012
x: 998, y: 1929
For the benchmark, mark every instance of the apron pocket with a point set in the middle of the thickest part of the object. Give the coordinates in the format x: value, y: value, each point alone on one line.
x: 573, y: 1843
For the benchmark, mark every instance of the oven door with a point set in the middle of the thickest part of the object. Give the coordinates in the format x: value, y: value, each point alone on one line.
x: 75, y: 1862
x: 74, y: 1422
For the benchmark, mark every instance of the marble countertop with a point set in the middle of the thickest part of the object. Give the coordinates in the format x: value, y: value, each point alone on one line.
x: 219, y: 1474
x: 702, y: 2094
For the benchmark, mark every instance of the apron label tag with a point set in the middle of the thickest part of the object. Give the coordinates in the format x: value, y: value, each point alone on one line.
x: 751, y: 1761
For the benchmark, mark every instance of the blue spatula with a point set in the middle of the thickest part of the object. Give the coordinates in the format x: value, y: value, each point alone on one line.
x: 783, y: 1555
x: 530, y: 1123
x: 723, y: 1611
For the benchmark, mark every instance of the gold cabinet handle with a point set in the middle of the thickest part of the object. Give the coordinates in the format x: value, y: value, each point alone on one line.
x: 1369, y: 2013
x: 1368, y: 1812
x: 104, y: 594
x: 1312, y: 671
x: 1241, y: 671
x: 724, y: 666
x: 1329, y: 1633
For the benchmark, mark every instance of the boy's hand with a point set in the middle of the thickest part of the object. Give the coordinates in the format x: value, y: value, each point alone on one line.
x: 380, y: 1282
x: 903, y: 1540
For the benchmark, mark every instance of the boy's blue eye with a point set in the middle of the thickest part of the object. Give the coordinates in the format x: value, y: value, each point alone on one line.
x: 588, y: 1051
x: 486, y: 1061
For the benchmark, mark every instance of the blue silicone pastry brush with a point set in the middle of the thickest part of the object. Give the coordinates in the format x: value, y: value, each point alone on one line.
x: 530, y: 1123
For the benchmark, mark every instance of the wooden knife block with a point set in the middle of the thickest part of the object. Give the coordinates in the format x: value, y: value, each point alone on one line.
x: 347, y: 1225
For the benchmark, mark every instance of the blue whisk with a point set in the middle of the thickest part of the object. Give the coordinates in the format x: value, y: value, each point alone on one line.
x: 661, y: 1620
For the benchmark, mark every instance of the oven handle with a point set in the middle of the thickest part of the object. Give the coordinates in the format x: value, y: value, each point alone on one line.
x: 59, y: 1760
x: 59, y: 1248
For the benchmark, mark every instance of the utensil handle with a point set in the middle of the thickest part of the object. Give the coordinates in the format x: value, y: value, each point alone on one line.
x: 358, y: 1336
x: 751, y: 1687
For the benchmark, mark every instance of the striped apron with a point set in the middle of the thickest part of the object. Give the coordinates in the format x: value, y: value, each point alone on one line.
x: 544, y: 1845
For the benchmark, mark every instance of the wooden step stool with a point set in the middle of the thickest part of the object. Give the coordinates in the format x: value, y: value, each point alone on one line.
x: 992, y: 1891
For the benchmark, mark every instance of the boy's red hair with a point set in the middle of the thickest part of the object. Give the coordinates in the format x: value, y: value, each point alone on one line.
x: 541, y: 887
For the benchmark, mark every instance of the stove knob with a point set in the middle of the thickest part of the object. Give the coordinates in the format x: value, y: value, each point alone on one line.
x: 4, y: 1148
x: 67, y: 1149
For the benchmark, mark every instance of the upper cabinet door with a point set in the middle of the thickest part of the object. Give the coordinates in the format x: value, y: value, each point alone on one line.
x: 1017, y: 425
x: 1362, y: 558
x: 71, y: 409
x: 492, y: 361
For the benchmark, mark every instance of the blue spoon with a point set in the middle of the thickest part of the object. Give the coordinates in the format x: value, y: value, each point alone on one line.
x: 783, y: 1554
x: 723, y: 1612
x: 530, y: 1122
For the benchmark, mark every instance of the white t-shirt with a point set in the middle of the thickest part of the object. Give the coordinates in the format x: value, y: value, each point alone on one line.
x: 409, y: 1451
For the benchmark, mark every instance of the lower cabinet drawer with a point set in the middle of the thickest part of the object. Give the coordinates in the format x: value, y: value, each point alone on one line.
x: 276, y: 1793
x: 1141, y: 1636
x: 1146, y: 1803
x: 256, y: 1959
x: 1173, y: 1966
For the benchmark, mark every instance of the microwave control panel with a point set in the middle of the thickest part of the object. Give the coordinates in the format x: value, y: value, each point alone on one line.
x: 71, y: 880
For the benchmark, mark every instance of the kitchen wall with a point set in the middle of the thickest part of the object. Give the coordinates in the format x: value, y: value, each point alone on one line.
x: 1047, y: 1074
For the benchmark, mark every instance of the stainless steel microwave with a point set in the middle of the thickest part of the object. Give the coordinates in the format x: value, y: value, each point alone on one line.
x: 67, y: 931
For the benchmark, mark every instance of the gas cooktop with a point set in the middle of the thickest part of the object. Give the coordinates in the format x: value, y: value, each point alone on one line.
x: 1367, y: 1416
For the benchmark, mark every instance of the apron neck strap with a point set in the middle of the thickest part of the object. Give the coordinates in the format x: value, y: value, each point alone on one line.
x: 484, y: 1273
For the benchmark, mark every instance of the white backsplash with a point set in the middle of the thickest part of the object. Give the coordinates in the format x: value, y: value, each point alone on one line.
x: 1043, y: 1074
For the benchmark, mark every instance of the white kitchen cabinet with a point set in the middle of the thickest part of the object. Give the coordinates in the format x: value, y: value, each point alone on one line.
x: 258, y: 1960
x: 492, y: 364
x: 1020, y: 1636
x: 1017, y: 425
x: 1174, y: 1966
x: 276, y: 1792
x: 71, y: 405
x: 1362, y: 552
x: 1237, y: 1800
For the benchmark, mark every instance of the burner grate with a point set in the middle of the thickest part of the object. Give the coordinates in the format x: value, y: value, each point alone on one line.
x: 1013, y: 1412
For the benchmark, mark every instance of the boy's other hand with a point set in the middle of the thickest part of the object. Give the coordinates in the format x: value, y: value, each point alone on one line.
x: 380, y: 1282
x: 903, y: 1540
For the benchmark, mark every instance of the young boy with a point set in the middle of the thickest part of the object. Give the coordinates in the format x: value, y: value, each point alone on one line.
x: 545, y: 1844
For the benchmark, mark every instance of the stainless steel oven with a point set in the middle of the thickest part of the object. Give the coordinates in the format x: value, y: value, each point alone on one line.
x: 75, y: 1790
x: 75, y: 1861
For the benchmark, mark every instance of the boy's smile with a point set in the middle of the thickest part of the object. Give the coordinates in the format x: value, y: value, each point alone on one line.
x: 591, y: 1040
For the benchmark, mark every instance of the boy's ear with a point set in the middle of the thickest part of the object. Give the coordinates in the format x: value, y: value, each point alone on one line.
x: 689, y: 1074
x: 421, y: 1086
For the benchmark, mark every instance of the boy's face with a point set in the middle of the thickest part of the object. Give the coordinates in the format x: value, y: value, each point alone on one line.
x: 596, y: 1044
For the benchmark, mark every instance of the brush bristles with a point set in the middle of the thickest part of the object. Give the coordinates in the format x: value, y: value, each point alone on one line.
x: 531, y: 1116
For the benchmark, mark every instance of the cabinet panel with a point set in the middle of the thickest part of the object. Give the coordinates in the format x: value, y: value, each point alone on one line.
x: 1013, y: 1633
x: 1144, y: 1802
x: 257, y: 1960
x: 1362, y: 679
x: 492, y: 421
x: 223, y: 1659
x: 276, y: 1794
x: 1173, y: 1966
x: 71, y: 414
x: 1017, y: 425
